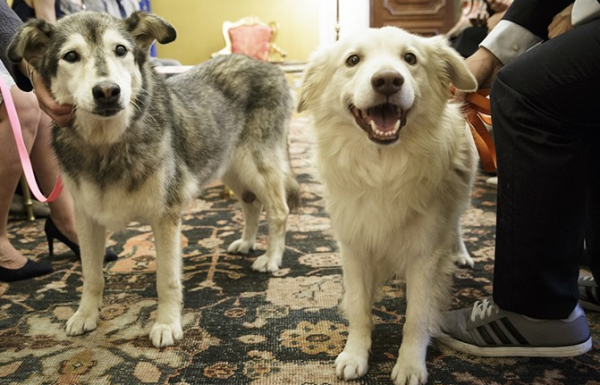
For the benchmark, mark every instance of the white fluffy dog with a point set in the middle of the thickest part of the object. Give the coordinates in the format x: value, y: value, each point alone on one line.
x: 397, y: 161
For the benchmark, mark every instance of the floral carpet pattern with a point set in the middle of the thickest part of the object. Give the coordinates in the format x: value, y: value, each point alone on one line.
x: 240, y: 326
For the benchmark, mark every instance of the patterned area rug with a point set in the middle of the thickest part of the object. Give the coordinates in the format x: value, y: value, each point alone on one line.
x: 242, y: 327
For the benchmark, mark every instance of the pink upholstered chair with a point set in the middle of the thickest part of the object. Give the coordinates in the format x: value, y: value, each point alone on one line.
x: 252, y: 37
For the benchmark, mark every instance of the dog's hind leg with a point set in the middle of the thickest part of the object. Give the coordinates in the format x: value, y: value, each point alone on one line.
x: 92, y: 239
x: 167, y: 326
x: 459, y: 252
x: 274, y: 198
x: 235, y: 179
x: 251, y: 209
x: 265, y: 188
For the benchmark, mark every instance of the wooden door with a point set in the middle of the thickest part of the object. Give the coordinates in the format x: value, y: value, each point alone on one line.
x: 425, y: 17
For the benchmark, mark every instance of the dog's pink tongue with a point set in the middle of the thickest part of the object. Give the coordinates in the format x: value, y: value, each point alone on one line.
x: 384, y: 116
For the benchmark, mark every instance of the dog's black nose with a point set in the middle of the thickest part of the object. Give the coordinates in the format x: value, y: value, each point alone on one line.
x: 387, y: 82
x: 106, y: 92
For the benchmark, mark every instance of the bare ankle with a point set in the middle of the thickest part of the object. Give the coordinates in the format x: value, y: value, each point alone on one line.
x: 10, y: 258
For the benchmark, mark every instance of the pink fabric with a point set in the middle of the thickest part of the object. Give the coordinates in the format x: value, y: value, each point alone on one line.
x: 23, y: 155
x: 251, y: 40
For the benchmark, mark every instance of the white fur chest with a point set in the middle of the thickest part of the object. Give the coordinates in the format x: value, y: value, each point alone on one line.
x: 114, y: 207
x: 384, y: 199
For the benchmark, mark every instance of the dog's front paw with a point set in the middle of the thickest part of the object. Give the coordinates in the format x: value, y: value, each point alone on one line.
x: 406, y: 373
x: 351, y: 366
x: 163, y: 335
x: 240, y: 247
x: 81, y: 323
x: 265, y: 264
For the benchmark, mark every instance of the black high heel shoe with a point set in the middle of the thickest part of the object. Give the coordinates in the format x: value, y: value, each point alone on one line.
x: 52, y: 232
x: 31, y: 269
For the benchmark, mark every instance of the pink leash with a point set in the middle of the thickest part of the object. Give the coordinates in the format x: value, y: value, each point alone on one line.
x: 25, y: 161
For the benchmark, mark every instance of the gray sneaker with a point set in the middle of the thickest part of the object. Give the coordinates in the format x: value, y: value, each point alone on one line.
x: 589, y: 293
x: 486, y: 330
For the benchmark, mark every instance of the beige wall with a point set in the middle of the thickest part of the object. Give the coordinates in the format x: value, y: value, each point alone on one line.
x: 198, y: 24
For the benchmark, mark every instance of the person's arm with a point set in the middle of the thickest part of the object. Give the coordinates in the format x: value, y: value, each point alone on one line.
x: 9, y: 23
x: 519, y: 29
x: 524, y: 25
x: 575, y: 14
x: 535, y: 15
x: 45, y: 9
x: 61, y: 114
x: 508, y: 40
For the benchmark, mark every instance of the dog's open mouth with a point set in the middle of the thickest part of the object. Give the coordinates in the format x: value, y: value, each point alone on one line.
x: 382, y: 122
x: 107, y: 111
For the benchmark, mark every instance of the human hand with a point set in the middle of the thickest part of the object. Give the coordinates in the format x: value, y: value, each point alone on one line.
x: 62, y: 114
x: 462, y: 24
x: 484, y: 66
x: 561, y: 23
x: 499, y: 5
x: 478, y: 14
x: 480, y: 20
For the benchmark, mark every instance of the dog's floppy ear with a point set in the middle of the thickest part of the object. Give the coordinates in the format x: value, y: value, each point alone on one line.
x: 30, y: 42
x: 146, y: 27
x: 460, y: 75
x: 315, y: 79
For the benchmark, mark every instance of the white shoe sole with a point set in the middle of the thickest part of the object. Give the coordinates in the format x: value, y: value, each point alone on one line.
x: 517, y: 351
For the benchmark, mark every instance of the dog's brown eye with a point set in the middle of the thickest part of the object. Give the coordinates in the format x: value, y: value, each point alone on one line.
x: 71, y: 56
x: 121, y: 50
x: 410, y: 58
x: 352, y: 60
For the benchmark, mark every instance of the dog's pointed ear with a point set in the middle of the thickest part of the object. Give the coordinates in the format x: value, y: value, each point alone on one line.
x: 30, y: 42
x: 314, y: 81
x: 460, y: 75
x: 146, y: 27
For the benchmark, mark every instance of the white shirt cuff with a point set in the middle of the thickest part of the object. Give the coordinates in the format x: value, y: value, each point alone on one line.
x: 508, y: 40
x: 584, y: 11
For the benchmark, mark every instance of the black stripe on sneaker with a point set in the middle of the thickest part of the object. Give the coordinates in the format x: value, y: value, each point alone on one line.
x: 486, y: 336
x: 500, y: 334
x: 513, y: 331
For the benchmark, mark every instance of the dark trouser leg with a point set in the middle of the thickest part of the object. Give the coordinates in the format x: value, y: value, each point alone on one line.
x: 545, y: 108
x: 592, y: 230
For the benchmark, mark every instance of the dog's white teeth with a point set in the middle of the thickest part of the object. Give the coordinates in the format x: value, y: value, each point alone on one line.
x: 378, y: 132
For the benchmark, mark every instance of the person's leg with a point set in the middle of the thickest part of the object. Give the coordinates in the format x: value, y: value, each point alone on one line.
x: 589, y: 291
x: 62, y: 210
x: 46, y: 169
x: 593, y: 211
x: 544, y: 110
x: 11, y: 170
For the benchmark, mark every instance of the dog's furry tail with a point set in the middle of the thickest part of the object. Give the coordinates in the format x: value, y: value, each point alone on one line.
x: 292, y: 192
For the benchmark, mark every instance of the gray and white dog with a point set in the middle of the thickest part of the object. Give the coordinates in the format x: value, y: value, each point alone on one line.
x: 140, y: 147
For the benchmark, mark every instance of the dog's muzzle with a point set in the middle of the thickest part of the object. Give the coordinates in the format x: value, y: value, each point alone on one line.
x: 107, y: 96
x: 381, y: 122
